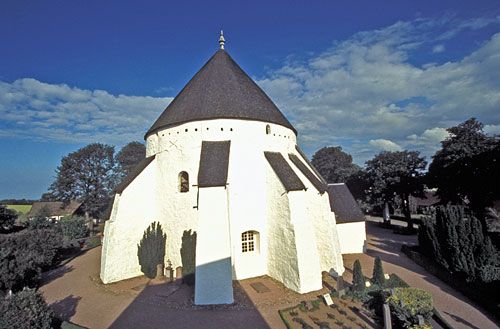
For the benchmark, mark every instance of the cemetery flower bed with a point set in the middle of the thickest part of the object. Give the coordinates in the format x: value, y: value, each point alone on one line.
x: 341, y: 314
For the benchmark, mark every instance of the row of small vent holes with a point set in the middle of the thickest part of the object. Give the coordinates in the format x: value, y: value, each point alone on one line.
x: 268, y: 131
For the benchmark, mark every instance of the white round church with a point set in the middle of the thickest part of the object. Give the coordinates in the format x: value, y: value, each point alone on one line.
x: 223, y: 161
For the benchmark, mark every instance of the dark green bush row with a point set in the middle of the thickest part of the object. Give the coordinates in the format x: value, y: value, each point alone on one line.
x: 24, y: 255
x: 456, y: 240
x: 485, y: 294
x: 26, y: 309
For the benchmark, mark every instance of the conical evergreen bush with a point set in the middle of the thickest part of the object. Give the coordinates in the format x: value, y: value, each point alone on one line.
x: 378, y: 272
x: 358, y: 279
x: 151, y: 249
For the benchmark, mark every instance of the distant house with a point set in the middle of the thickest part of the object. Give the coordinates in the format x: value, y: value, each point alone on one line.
x: 429, y: 199
x: 56, y: 209
x: 350, y: 219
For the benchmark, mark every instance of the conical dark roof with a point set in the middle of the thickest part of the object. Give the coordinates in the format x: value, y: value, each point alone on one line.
x: 220, y: 90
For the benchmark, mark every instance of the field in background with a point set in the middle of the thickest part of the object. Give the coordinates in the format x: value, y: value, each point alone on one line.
x: 22, y: 210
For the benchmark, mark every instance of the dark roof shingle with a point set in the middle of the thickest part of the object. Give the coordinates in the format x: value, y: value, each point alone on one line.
x: 308, y: 173
x: 285, y: 173
x: 214, y: 163
x: 344, y: 206
x: 310, y: 164
x: 220, y: 90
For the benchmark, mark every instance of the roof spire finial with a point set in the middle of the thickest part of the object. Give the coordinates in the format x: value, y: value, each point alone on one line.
x: 222, y: 41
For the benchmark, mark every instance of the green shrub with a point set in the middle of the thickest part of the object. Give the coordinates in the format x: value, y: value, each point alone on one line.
x: 7, y: 218
x: 25, y: 309
x: 395, y: 282
x: 456, y: 240
x: 73, y: 227
x: 151, y: 249
x: 358, y: 279
x: 91, y: 242
x: 24, y: 255
x: 41, y: 220
x: 378, y: 272
x: 407, y: 303
x: 188, y: 256
x: 375, y: 300
x: 489, y: 273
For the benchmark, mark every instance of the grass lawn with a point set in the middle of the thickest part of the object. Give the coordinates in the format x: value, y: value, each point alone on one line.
x: 20, y: 208
x: 22, y: 211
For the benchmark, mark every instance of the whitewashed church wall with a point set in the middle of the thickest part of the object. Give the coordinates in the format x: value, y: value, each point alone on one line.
x: 280, y: 138
x: 323, y: 221
x: 180, y: 146
x: 213, y: 249
x: 282, y: 262
x: 247, y: 206
x: 352, y: 237
x: 132, y: 214
x: 175, y: 210
x: 305, y: 241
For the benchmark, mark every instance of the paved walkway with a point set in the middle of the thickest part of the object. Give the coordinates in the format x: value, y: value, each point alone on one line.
x: 76, y: 294
x: 458, y: 310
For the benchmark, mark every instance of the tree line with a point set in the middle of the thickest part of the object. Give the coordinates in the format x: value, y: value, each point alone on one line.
x: 90, y: 175
x: 465, y: 171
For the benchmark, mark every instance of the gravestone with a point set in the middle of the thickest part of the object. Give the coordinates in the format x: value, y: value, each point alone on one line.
x: 178, y: 273
x: 387, y: 316
x: 159, y: 272
x: 170, y: 274
x: 328, y: 299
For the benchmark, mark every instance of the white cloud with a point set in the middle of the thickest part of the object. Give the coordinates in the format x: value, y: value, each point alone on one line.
x: 429, y: 141
x: 385, y: 145
x: 41, y: 111
x: 492, y: 129
x: 367, y: 89
x: 438, y: 48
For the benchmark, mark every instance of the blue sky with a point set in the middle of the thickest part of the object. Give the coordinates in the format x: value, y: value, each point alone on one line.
x: 366, y: 75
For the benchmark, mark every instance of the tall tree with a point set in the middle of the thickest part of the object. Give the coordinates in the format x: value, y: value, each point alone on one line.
x: 86, y: 175
x: 128, y: 157
x: 397, y: 173
x: 466, y: 168
x: 334, y: 164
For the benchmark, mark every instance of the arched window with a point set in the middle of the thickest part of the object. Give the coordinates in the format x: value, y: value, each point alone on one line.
x: 268, y: 129
x: 183, y: 182
x: 250, y: 241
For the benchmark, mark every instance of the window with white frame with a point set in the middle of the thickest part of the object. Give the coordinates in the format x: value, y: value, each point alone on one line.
x: 249, y: 241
